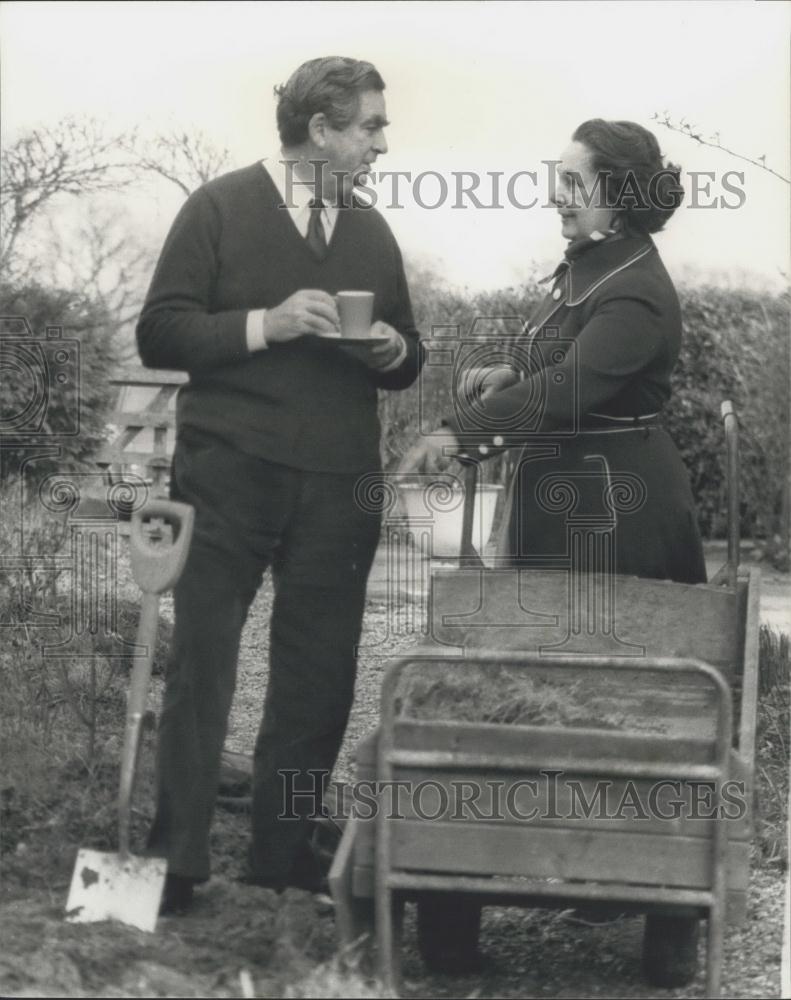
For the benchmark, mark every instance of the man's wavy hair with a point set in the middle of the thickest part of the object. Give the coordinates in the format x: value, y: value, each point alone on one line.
x: 332, y: 85
x: 644, y: 190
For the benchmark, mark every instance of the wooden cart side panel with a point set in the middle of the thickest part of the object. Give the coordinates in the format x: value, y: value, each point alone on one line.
x: 528, y: 611
x: 505, y: 739
x: 597, y: 803
x: 639, y: 859
x: 557, y: 743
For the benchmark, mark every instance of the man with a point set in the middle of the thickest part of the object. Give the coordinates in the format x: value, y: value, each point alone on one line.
x: 274, y: 429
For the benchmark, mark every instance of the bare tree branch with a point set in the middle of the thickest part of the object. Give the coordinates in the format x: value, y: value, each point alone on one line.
x: 684, y: 128
x: 104, y: 260
x: 75, y: 157
x: 92, y: 250
x: 185, y: 158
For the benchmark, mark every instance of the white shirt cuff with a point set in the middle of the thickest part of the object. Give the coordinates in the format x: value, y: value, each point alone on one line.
x: 256, y: 338
x: 399, y: 359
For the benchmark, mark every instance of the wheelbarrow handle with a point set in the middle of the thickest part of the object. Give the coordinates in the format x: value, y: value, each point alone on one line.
x: 156, y: 568
x: 731, y: 425
x: 467, y: 550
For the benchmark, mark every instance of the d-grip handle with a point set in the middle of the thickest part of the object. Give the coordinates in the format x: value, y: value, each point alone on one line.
x: 157, y: 567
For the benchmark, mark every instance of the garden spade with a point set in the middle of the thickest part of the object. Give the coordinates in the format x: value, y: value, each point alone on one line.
x: 123, y: 886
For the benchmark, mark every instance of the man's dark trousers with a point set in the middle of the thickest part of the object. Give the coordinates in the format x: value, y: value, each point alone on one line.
x: 251, y: 514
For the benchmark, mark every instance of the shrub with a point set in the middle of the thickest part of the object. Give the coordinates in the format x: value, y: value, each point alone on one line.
x: 85, y: 390
x: 735, y: 347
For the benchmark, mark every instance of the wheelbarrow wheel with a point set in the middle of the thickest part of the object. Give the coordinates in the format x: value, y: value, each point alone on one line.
x: 447, y: 932
x: 670, y: 950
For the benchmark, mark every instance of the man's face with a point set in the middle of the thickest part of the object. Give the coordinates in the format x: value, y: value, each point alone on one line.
x: 352, y: 150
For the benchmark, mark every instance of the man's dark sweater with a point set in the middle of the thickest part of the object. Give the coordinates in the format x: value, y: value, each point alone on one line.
x: 306, y: 403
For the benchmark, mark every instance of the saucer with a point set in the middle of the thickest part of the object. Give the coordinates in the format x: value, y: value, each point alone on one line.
x: 353, y: 341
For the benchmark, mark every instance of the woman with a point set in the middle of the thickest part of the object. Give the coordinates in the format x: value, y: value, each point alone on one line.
x: 592, y: 371
x: 588, y: 379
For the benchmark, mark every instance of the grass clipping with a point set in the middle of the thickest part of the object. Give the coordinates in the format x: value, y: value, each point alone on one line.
x: 510, y: 695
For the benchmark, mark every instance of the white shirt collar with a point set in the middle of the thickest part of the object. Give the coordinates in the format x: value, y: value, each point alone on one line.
x: 281, y: 170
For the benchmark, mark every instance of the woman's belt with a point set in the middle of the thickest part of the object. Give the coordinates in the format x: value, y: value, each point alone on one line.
x: 596, y: 422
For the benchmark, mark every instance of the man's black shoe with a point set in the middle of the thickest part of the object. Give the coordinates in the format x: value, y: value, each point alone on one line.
x: 177, y: 897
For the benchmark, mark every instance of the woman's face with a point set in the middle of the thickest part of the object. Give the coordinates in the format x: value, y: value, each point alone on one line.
x: 579, y: 200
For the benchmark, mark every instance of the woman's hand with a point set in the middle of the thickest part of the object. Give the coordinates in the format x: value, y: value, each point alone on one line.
x: 430, y: 453
x: 496, y: 378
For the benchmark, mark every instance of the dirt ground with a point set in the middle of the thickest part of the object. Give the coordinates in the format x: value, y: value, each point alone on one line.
x: 242, y: 941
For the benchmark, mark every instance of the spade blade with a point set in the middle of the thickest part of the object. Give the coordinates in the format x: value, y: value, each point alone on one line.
x: 108, y: 886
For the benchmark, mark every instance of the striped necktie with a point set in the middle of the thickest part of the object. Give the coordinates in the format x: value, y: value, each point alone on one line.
x: 316, y: 237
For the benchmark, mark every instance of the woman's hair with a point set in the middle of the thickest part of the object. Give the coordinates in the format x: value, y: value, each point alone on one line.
x: 331, y: 85
x: 644, y: 190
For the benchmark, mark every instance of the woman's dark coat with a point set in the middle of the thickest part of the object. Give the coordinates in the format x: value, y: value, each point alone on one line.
x: 594, y: 367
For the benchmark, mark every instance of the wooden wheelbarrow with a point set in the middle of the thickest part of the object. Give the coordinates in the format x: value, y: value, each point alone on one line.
x: 681, y: 676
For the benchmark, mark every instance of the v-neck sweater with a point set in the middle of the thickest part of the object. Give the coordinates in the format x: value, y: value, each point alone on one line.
x: 305, y: 403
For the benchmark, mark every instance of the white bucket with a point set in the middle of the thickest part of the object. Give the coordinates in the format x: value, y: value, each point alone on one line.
x: 439, y: 506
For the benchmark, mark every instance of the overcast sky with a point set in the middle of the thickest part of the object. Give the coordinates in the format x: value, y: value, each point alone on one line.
x: 470, y: 87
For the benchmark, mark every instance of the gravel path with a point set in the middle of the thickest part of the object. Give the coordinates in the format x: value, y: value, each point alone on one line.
x: 251, y: 680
